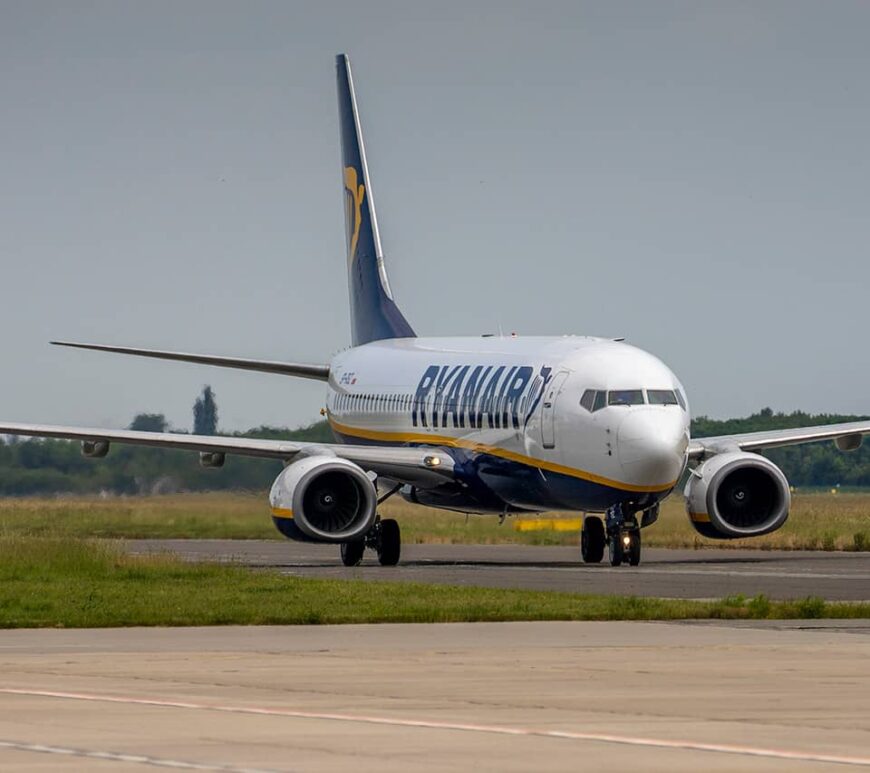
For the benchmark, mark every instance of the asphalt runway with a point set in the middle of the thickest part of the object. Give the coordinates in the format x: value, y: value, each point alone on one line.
x: 485, y: 696
x: 663, y: 573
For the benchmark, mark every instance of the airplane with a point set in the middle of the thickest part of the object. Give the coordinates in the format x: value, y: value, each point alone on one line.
x: 488, y: 424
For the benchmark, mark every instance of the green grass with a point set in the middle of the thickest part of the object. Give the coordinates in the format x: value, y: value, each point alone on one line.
x: 819, y: 521
x: 52, y: 582
x: 228, y: 516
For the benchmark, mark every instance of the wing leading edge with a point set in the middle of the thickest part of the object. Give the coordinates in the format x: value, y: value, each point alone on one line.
x: 302, y: 370
x: 416, y: 466
x: 848, y: 435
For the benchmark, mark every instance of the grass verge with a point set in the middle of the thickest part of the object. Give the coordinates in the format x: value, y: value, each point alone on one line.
x: 50, y: 582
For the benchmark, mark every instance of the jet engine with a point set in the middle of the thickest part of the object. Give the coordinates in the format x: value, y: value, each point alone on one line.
x: 737, y: 494
x: 95, y: 449
x: 323, y: 499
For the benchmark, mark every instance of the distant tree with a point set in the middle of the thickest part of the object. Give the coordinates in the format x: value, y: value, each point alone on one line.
x: 317, y: 432
x: 205, y: 414
x: 149, y: 422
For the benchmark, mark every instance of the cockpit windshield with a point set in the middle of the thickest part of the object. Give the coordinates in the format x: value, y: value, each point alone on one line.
x: 595, y: 399
x: 661, y: 397
x: 625, y: 397
x: 600, y: 400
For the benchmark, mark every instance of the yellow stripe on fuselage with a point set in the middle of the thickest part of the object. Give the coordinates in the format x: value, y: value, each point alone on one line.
x: 282, y: 512
x: 700, y: 517
x: 482, y: 448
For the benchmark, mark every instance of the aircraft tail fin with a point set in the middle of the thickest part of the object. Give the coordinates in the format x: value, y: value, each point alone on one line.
x: 373, y: 313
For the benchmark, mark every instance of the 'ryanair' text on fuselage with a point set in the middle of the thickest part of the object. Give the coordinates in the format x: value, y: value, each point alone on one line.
x: 475, y: 396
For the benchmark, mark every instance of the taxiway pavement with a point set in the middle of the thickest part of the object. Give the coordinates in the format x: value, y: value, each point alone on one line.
x: 492, y: 697
x: 663, y: 573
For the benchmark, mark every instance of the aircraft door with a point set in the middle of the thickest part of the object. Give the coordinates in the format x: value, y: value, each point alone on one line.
x: 548, y: 410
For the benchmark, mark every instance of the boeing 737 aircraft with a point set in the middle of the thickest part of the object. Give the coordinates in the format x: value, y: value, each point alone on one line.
x: 492, y: 424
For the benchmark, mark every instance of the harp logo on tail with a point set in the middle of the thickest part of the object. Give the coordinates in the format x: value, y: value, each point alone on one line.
x: 353, y: 206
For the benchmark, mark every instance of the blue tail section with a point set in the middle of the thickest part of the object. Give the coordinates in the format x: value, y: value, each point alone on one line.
x: 373, y: 313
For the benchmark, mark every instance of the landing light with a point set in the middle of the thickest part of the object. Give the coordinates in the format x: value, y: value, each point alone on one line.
x: 431, y: 461
x: 626, y: 540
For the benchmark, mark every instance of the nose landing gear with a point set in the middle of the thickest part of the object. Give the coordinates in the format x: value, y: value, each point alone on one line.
x: 623, y: 536
x: 625, y: 548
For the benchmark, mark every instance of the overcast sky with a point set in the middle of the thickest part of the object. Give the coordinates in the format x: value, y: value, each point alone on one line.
x: 693, y: 176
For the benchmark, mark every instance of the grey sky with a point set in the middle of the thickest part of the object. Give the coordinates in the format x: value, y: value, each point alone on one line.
x: 694, y: 176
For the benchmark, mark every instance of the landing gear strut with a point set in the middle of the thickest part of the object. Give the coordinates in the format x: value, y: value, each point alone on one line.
x: 385, y: 538
x: 623, y: 536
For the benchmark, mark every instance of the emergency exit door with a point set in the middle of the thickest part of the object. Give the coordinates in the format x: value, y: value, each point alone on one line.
x: 548, y: 409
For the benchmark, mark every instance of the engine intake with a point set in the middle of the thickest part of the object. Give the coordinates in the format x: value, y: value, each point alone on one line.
x: 737, y: 494
x: 323, y: 499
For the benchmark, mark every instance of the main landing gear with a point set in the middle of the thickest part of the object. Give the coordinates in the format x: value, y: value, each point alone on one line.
x: 385, y: 538
x: 592, y: 540
x: 619, y: 531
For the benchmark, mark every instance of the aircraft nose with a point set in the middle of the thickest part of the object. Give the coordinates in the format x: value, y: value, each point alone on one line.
x: 652, y: 446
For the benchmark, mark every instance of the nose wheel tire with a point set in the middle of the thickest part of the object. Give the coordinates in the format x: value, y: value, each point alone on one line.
x: 633, y: 552
x: 592, y: 540
x: 614, y: 548
x: 389, y: 542
x: 352, y: 552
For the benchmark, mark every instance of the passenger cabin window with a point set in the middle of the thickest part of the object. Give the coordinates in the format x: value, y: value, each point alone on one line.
x: 661, y: 397
x: 625, y: 397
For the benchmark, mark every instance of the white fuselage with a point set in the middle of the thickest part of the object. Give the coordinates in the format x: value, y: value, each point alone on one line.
x: 512, y: 411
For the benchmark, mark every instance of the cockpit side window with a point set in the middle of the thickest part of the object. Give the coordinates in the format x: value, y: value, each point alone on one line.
x: 600, y: 400
x: 625, y: 397
x: 661, y: 397
x: 588, y: 399
x: 681, y: 400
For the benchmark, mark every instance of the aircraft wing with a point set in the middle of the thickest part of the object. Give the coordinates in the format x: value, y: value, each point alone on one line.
x: 303, y: 370
x: 416, y: 466
x: 848, y: 437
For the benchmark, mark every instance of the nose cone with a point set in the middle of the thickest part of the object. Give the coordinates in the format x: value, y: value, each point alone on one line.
x: 652, y: 446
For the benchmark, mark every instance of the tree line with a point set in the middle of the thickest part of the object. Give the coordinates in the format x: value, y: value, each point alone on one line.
x: 45, y: 466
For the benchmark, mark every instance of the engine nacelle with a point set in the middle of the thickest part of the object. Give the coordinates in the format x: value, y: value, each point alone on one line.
x: 95, y: 449
x: 212, y: 459
x: 737, y: 494
x: 323, y: 499
x: 848, y: 442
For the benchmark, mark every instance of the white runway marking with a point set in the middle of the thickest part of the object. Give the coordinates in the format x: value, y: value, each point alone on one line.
x: 626, y: 740
x: 137, y: 759
x: 651, y: 568
x: 705, y: 572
